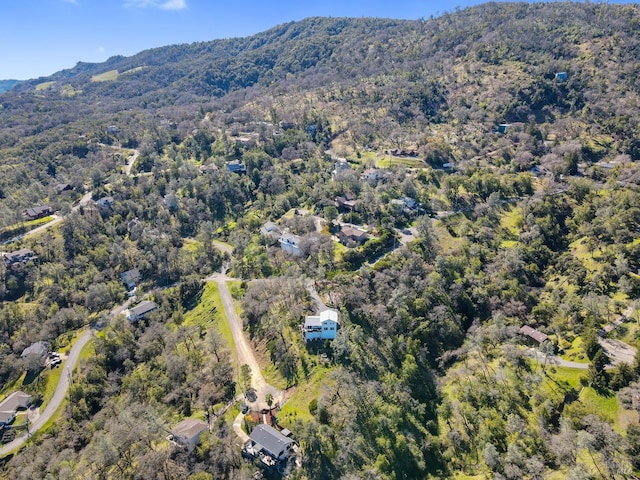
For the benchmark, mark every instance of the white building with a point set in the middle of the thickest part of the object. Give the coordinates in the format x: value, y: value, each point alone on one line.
x: 321, y: 327
x: 291, y: 244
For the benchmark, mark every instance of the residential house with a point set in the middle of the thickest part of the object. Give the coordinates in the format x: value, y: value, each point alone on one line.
x: 140, y: 310
x: 346, y: 203
x: 19, y: 257
x: 105, y: 202
x: 503, y: 127
x: 236, y: 166
x: 321, y: 327
x: 15, y: 401
x: 63, y: 187
x: 271, y: 232
x: 341, y: 165
x: 130, y: 278
x: 270, y: 228
x: 38, y: 352
x: 113, y: 129
x: 187, y: 433
x: 38, y: 212
x: 290, y: 243
x: 406, y: 204
x: 6, y: 418
x: 374, y: 175
x: 351, y: 236
x: 266, y: 441
x: 532, y: 336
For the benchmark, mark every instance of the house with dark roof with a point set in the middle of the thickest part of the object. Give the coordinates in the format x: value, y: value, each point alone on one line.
x: 63, y: 187
x: 236, y: 166
x: 139, y: 311
x: 187, y: 433
x: 346, y: 203
x: 266, y: 441
x: 533, y: 336
x: 38, y: 212
x: 130, y: 278
x: 18, y: 257
x: 351, y: 236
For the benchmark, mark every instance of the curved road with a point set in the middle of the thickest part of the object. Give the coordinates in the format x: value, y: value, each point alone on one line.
x: 61, y: 391
x: 59, y: 395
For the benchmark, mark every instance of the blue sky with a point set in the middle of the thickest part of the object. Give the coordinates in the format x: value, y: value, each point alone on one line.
x: 41, y: 37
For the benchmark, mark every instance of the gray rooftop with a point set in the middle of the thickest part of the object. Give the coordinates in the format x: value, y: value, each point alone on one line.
x: 143, y: 308
x: 15, y: 401
x: 270, y: 438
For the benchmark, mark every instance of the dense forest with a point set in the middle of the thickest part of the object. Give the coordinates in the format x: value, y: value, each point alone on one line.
x: 489, y: 154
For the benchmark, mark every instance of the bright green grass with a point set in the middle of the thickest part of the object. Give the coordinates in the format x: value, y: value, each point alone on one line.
x: 575, y: 352
x: 51, y: 377
x: 203, y: 313
x: 389, y: 161
x: 511, y: 219
x: 582, y: 252
x: 447, y: 243
x: 69, y: 91
x: 509, y: 244
x: 109, y: 76
x: 606, y: 408
x: 191, y: 245
x: 297, y: 407
x: 13, y: 386
x: 45, y: 85
x: 569, y: 375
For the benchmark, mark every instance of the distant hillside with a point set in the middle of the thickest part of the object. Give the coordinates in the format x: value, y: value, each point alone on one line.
x: 436, y: 87
x: 6, y: 85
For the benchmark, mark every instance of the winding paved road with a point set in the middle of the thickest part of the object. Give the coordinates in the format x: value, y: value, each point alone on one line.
x: 62, y: 388
x: 58, y: 397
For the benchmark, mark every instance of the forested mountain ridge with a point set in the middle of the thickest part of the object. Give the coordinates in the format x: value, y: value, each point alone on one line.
x: 491, y: 156
x: 461, y: 73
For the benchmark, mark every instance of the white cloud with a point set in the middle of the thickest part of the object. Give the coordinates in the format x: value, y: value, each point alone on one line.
x: 161, y: 4
x: 75, y: 2
x: 101, y: 49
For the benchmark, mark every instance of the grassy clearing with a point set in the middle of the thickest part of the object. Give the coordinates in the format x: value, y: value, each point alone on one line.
x: 582, y: 252
x: 511, y: 220
x: 109, y: 76
x: 44, y: 85
x: 389, y: 161
x: 606, y: 407
x: 69, y: 91
x: 447, y: 242
x: 574, y: 351
x: 297, y: 407
x: 509, y: 244
x: 210, y: 309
